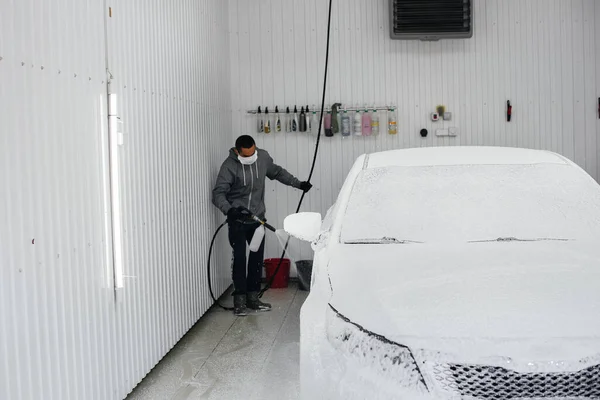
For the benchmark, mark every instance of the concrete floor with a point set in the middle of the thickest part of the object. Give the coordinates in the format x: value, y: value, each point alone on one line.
x: 224, y: 357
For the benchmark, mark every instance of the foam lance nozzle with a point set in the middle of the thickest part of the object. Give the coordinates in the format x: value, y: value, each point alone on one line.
x: 260, y: 221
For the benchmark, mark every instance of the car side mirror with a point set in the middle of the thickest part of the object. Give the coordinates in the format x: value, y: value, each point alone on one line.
x: 305, y: 226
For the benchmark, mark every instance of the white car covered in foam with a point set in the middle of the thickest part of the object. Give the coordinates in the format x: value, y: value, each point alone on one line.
x: 454, y: 273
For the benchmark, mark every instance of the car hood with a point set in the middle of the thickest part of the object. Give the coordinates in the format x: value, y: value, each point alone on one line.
x: 511, y: 292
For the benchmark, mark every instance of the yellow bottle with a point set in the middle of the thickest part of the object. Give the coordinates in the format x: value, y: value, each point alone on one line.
x: 267, y: 121
x: 392, y: 128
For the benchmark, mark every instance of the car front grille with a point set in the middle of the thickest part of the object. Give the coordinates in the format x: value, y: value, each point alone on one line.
x: 496, y: 383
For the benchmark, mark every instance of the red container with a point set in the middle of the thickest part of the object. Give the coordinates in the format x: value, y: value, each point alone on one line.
x: 283, y: 275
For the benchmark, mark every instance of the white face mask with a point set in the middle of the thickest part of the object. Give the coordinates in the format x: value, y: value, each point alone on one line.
x: 249, y: 160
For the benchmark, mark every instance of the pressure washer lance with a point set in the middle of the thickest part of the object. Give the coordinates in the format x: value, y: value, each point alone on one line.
x: 259, y: 233
x: 250, y: 216
x: 264, y: 223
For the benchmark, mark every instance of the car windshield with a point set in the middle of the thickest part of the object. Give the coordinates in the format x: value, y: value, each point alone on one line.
x: 504, y: 203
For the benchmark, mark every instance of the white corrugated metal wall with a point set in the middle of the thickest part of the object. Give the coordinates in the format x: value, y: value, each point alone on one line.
x: 174, y: 101
x: 56, y: 296
x: 63, y: 335
x: 542, y: 55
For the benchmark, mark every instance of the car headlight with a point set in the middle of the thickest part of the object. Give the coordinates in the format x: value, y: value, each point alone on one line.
x: 389, y: 359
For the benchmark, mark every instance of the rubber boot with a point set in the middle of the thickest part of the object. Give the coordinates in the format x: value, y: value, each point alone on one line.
x: 255, y: 304
x: 239, y: 305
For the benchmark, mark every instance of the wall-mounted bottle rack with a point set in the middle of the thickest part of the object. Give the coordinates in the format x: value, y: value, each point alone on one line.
x: 341, y: 108
x: 364, y: 121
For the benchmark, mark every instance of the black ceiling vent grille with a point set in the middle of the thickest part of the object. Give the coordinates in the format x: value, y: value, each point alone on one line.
x: 431, y: 19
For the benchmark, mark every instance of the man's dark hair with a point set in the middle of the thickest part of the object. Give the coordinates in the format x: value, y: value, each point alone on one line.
x: 245, y: 142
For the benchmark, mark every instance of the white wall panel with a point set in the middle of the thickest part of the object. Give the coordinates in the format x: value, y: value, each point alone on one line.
x: 542, y: 55
x: 63, y: 335
x: 175, y: 106
x: 56, y: 286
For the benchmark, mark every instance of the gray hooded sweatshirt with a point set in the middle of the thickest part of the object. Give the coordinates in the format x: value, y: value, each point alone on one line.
x: 244, y: 185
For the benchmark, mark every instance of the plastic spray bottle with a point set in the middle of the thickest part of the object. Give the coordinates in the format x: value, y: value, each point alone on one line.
x: 367, y: 130
x: 302, y: 121
x: 357, y: 123
x: 267, y: 121
x: 328, y: 130
x: 295, y: 120
x: 261, y: 126
x: 375, y: 122
x: 346, y: 130
x: 392, y: 124
x: 307, y: 118
x: 335, y: 118
x: 277, y: 120
x: 314, y: 122
x: 288, y: 120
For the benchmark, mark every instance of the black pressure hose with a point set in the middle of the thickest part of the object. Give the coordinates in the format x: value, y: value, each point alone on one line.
x: 212, y: 243
x: 314, y: 161
x: 312, y: 169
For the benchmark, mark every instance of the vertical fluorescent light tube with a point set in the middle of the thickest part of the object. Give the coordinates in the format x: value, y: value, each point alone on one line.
x: 115, y: 192
x: 106, y: 198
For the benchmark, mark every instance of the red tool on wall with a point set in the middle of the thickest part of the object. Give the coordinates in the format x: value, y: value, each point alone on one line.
x: 508, y: 110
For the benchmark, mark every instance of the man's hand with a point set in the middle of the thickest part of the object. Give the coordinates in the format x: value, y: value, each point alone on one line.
x: 305, y: 186
x: 237, y: 213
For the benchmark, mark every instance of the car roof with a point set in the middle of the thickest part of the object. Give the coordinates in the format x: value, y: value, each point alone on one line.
x: 461, y: 155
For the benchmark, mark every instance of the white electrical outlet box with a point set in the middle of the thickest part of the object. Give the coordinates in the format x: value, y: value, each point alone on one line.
x: 435, y: 116
x: 453, y: 131
x: 441, y: 132
x: 447, y: 116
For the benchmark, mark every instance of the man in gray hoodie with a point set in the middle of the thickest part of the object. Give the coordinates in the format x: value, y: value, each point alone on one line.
x: 240, y: 188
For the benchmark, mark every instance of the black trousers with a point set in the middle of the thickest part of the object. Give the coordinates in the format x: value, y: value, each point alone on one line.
x: 245, y: 278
